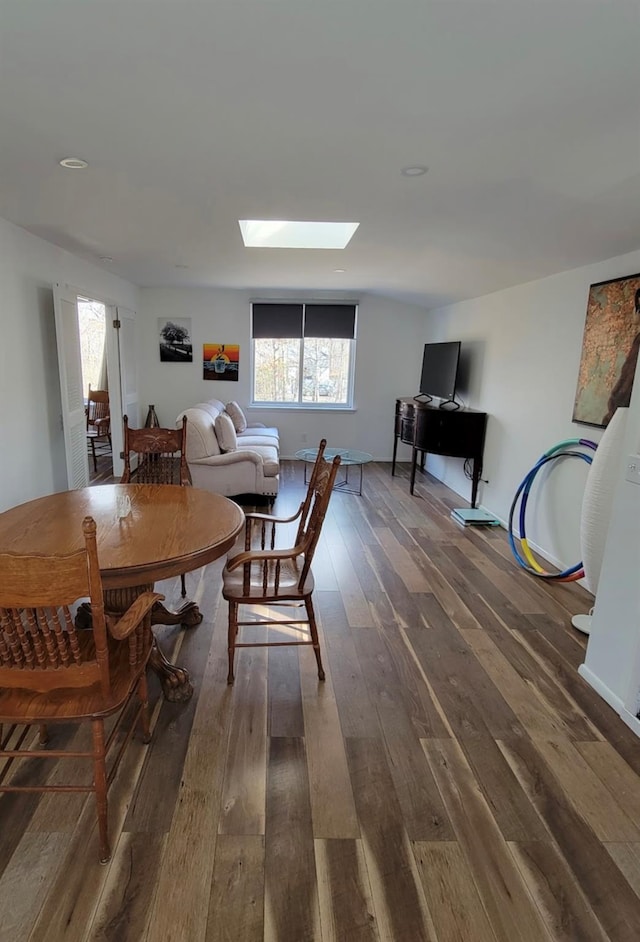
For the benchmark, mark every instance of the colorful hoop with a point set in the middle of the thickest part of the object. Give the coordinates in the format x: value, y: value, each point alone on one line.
x: 527, y: 560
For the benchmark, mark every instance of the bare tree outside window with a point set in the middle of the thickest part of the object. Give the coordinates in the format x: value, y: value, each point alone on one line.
x: 92, y: 325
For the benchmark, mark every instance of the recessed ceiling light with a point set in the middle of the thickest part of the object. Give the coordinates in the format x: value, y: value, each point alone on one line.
x: 105, y: 258
x: 418, y: 171
x: 339, y: 271
x: 285, y: 234
x: 74, y: 163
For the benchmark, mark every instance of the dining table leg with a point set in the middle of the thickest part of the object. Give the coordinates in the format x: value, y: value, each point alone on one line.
x: 175, y: 681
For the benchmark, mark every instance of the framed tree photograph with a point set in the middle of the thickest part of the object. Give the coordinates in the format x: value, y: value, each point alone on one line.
x: 175, y: 340
x: 610, y: 346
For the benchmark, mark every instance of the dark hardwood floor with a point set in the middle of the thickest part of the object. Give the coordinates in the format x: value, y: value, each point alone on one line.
x: 454, y: 779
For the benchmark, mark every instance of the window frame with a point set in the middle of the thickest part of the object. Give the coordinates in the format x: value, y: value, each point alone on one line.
x: 300, y: 405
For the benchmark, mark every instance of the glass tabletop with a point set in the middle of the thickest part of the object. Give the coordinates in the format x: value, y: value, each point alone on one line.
x: 348, y: 455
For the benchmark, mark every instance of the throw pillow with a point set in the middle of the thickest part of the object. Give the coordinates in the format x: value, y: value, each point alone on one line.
x: 226, y: 433
x: 237, y: 416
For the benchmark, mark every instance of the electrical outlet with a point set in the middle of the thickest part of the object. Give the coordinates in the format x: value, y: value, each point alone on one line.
x: 632, y: 472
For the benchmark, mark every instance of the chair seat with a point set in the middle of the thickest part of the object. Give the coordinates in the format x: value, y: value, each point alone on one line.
x: 20, y: 705
x: 288, y: 582
x: 93, y: 432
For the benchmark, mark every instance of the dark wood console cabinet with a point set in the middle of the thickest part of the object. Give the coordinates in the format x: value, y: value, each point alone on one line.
x: 457, y: 433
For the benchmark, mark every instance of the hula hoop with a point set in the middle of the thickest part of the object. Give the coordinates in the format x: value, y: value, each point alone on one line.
x: 527, y: 560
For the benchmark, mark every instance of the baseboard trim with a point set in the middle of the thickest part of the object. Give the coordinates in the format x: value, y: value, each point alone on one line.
x: 594, y: 681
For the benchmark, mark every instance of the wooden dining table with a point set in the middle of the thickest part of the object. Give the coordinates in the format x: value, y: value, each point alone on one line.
x: 169, y: 530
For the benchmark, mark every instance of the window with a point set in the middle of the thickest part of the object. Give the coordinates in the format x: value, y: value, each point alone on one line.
x: 303, y: 354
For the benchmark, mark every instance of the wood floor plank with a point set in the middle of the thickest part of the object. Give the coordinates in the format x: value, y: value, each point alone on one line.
x: 566, y: 641
x: 614, y: 903
x: 244, y: 789
x: 404, y: 603
x: 236, y: 904
x: 333, y: 810
x: 513, y: 812
x: 589, y: 796
x: 556, y: 893
x: 472, y: 703
x: 130, y: 888
x: 25, y: 882
x: 151, y: 809
x: 355, y: 602
x: 451, y: 893
x: 380, y: 609
x: 357, y: 715
x: 69, y: 909
x: 509, y: 906
x: 17, y: 811
x: 291, y: 896
x: 517, y: 590
x: 444, y: 591
x: 402, y: 562
x: 477, y: 582
x: 534, y: 673
x: 423, y: 811
x: 599, y: 713
x: 181, y: 906
x: 400, y: 907
x: 462, y: 614
x: 285, y: 717
x: 422, y: 709
x: 346, y: 905
x: 539, y: 722
x: 627, y: 858
x: 619, y: 778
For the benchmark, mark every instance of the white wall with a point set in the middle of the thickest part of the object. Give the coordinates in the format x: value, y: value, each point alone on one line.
x: 33, y: 462
x: 389, y: 351
x: 524, y: 346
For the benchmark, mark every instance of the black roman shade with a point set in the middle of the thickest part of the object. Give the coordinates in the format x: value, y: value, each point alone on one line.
x: 330, y: 320
x: 277, y: 320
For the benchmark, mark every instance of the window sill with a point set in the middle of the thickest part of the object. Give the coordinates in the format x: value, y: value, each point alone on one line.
x: 302, y: 407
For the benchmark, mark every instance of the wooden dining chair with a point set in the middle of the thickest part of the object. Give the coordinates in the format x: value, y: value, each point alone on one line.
x: 156, y: 456
x: 51, y: 672
x: 98, y: 422
x: 272, y: 576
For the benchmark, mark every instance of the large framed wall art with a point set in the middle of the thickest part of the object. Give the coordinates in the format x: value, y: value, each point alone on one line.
x: 609, y: 350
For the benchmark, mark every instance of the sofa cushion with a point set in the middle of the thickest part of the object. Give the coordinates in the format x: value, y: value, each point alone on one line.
x: 213, y: 408
x: 237, y: 416
x: 201, y: 435
x: 247, y: 439
x: 226, y: 432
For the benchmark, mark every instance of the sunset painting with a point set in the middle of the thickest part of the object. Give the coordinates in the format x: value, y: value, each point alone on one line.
x: 220, y: 361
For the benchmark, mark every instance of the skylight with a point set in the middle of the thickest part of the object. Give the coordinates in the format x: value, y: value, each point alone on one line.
x: 283, y: 234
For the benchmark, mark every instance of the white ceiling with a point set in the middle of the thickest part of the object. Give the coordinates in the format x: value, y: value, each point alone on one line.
x: 196, y: 113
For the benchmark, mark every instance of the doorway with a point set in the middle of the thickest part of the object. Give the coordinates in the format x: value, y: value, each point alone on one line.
x: 92, y: 325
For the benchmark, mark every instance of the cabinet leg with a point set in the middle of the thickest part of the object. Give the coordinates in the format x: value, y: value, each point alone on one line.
x: 477, y: 470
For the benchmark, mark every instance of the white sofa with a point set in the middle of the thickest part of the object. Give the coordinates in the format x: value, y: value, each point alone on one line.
x: 228, y: 461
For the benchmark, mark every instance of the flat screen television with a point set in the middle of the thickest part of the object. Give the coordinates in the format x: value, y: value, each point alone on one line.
x: 440, y: 370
